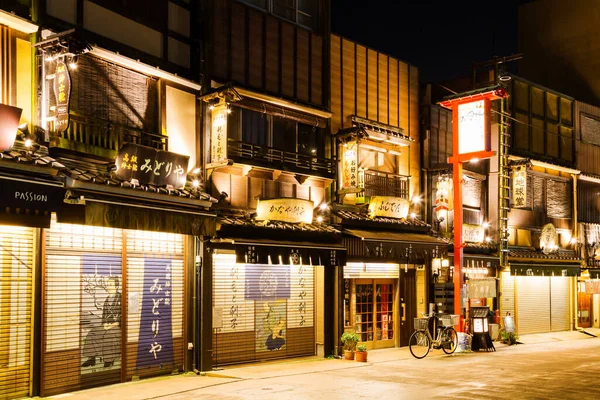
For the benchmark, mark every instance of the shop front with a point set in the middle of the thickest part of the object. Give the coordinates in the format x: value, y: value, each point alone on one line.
x: 272, y: 287
x: 117, y: 278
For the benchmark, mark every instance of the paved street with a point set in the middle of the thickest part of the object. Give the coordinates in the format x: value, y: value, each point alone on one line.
x: 551, y: 366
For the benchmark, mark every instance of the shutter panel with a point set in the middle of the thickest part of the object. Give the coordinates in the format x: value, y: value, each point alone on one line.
x: 508, y: 294
x: 262, y: 311
x: 560, y: 303
x: 533, y: 304
x: 155, y: 293
x: 16, y: 265
x: 82, y: 266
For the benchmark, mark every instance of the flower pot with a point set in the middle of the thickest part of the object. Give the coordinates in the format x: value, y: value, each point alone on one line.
x: 361, y: 356
x: 348, y: 355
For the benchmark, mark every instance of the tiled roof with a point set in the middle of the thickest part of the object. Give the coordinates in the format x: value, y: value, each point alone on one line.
x: 240, y: 219
x: 530, y: 252
x: 360, y: 216
x: 24, y: 156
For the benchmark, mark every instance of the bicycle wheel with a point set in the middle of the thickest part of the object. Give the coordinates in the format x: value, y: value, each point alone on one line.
x: 449, y: 340
x: 419, y: 344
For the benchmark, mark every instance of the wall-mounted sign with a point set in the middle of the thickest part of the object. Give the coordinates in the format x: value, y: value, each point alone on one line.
x: 62, y: 95
x: 9, y: 121
x: 350, y: 176
x: 472, y: 127
x: 17, y: 194
x: 549, y: 239
x: 218, y: 135
x: 519, y: 188
x: 473, y: 233
x: 443, y: 195
x: 388, y: 206
x: 286, y: 210
x: 151, y: 166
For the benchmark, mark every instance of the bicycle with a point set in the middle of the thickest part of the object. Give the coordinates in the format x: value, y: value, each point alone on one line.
x: 421, y: 341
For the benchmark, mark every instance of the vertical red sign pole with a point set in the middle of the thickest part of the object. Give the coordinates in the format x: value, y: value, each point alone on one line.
x: 476, y: 146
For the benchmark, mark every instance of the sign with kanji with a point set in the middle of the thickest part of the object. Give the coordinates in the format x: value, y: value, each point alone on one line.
x: 549, y: 239
x: 218, y: 136
x: 519, y: 188
x: 286, y: 210
x: 388, y: 206
x: 443, y: 195
x: 62, y: 95
x: 472, y: 126
x: 350, y: 176
x: 151, y: 166
x: 473, y: 233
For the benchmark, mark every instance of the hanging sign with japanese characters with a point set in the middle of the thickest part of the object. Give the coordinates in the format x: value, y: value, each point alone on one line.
x: 350, y: 178
x: 218, y: 137
x: 286, y: 210
x: 388, y: 206
x: 519, y: 188
x: 443, y: 195
x: 472, y: 127
x: 155, y: 341
x: 473, y: 233
x: 62, y: 95
x: 151, y: 166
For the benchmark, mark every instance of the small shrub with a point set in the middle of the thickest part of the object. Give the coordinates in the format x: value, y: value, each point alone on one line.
x: 361, y: 347
x: 349, y: 340
x: 509, y: 338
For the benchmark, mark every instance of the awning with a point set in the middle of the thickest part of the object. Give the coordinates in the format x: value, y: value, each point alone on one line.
x: 265, y: 251
x: 392, y: 245
x: 544, y: 269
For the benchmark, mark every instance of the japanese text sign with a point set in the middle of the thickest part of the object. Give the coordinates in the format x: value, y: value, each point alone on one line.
x: 62, y: 94
x: 519, y: 188
x: 151, y: 166
x: 473, y: 233
x: 218, y: 136
x: 350, y: 176
x: 286, y: 210
x: 388, y: 206
x: 472, y: 126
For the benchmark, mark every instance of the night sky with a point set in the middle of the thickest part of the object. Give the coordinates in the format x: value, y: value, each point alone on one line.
x: 441, y: 38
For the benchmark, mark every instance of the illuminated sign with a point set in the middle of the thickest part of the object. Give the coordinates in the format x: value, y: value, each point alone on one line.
x: 62, y: 94
x: 218, y: 138
x: 388, y: 206
x: 350, y: 173
x: 473, y: 233
x: 549, y: 239
x: 443, y: 195
x: 471, y: 127
x: 9, y: 121
x: 285, y: 210
x: 519, y: 188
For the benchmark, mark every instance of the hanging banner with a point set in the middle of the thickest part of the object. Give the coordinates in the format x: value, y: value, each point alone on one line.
x: 519, y: 188
x: 285, y: 210
x: 155, y: 341
x: 62, y: 95
x: 443, y: 195
x: 350, y: 179
x: 218, y: 135
x: 471, y: 125
x: 480, y: 288
x: 473, y: 233
x: 151, y: 166
x: 388, y: 206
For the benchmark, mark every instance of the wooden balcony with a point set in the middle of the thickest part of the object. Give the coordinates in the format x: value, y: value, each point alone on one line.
x: 102, y: 138
x: 386, y: 184
x: 268, y: 157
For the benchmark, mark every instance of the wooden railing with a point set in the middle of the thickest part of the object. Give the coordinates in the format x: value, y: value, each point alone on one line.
x: 386, y: 184
x: 103, y: 138
x: 269, y: 157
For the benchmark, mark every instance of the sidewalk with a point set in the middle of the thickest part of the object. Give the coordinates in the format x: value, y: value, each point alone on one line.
x: 158, y: 387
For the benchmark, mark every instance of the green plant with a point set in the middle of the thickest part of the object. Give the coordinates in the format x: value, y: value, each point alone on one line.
x: 349, y: 340
x: 361, y: 347
x: 509, y: 338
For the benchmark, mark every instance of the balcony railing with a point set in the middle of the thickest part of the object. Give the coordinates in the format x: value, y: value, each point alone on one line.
x: 263, y: 156
x: 103, y: 138
x: 386, y: 184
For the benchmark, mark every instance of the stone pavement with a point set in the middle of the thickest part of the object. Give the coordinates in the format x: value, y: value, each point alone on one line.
x: 181, y: 384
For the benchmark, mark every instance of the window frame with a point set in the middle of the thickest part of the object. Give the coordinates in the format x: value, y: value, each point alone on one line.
x: 297, y: 12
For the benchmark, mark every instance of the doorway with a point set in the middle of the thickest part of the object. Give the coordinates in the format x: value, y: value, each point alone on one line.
x: 375, y: 312
x: 408, y: 304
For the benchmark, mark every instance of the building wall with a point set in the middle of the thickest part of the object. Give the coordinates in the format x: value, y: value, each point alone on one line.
x: 587, y: 131
x: 559, y: 42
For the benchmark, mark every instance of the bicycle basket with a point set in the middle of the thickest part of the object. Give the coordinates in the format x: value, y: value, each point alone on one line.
x: 449, y: 320
x: 420, y: 323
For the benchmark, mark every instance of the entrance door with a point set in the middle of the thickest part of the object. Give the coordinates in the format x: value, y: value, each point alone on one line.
x: 375, y: 312
x: 408, y: 304
x: 583, y: 309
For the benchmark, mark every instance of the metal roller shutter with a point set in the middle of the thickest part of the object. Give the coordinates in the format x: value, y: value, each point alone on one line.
x: 155, y: 307
x: 262, y: 311
x: 82, y: 265
x: 16, y: 266
x: 533, y: 304
x: 508, y: 294
x: 560, y: 303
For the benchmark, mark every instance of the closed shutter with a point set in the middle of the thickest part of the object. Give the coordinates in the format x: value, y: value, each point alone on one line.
x: 16, y: 266
x: 507, y: 298
x: 533, y: 304
x: 82, y: 285
x: 155, y: 309
x: 560, y: 303
x: 262, y: 311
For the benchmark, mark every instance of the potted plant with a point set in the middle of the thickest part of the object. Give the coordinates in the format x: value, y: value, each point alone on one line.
x: 361, y: 353
x: 509, y: 338
x: 349, y: 340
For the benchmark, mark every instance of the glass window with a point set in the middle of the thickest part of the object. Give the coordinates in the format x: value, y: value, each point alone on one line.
x: 310, y: 140
x: 257, y: 3
x: 285, y: 9
x: 255, y: 127
x: 284, y: 134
